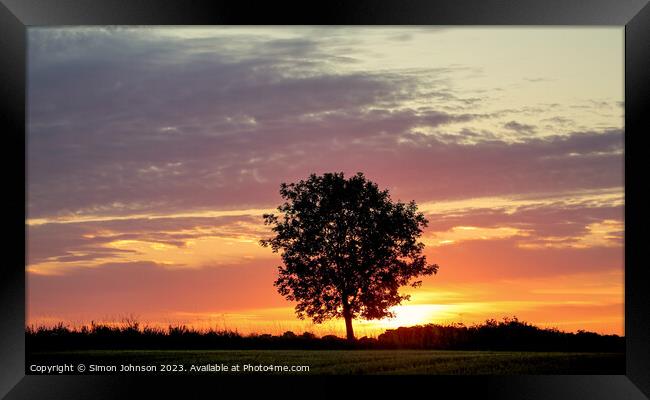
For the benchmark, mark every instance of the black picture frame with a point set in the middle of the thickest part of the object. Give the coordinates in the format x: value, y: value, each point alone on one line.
x: 17, y: 15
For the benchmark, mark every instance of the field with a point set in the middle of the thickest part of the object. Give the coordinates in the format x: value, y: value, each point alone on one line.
x: 340, y: 361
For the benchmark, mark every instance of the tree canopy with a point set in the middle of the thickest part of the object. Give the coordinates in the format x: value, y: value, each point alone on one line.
x: 346, y: 248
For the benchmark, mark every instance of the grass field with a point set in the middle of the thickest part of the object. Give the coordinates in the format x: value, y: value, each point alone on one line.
x: 344, y: 361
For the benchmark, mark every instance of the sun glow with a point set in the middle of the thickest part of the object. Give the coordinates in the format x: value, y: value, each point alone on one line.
x: 464, y: 233
x: 409, y: 315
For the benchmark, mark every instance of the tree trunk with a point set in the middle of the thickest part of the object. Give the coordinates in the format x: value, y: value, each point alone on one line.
x: 348, y: 323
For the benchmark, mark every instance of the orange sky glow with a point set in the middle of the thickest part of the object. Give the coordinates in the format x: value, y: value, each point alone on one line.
x: 148, y: 179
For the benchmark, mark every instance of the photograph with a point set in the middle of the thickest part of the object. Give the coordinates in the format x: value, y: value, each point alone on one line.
x: 325, y: 200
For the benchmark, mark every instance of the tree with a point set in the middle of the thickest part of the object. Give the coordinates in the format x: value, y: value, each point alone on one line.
x: 346, y: 248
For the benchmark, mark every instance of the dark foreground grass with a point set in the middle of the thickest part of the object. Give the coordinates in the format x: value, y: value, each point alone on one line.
x: 345, y: 361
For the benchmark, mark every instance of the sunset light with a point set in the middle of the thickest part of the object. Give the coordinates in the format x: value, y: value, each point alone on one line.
x: 153, y: 154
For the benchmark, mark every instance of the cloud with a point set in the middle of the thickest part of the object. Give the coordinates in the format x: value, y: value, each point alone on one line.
x: 147, y: 123
x: 520, y: 128
x: 559, y: 120
x: 190, y: 242
x: 605, y: 233
x: 574, y: 221
x: 569, y: 220
x: 464, y: 233
x: 123, y: 121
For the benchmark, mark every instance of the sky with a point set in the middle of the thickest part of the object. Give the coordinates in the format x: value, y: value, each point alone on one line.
x: 152, y: 153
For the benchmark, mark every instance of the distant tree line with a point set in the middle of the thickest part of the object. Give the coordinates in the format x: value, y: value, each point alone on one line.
x: 508, y: 334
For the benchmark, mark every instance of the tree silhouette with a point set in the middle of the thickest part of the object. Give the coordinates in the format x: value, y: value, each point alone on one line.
x: 346, y: 248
